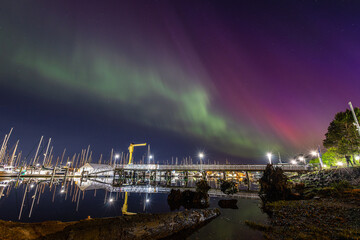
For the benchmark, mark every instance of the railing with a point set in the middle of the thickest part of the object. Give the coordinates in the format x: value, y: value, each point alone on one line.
x: 208, y: 167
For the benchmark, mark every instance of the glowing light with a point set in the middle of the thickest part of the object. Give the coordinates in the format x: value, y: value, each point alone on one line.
x: 301, y: 158
x: 325, y: 165
x: 269, y: 156
x: 357, y: 158
x: 32, y: 185
x: 201, y: 155
x: 62, y: 191
x: 151, y: 157
x: 339, y: 163
x: 117, y: 156
x: 68, y: 163
x: 147, y: 200
x: 314, y: 153
x: 293, y: 162
x: 111, y: 200
x: 37, y: 164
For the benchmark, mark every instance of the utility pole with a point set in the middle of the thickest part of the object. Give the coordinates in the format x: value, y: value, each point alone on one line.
x: 279, y: 158
x: 355, y: 118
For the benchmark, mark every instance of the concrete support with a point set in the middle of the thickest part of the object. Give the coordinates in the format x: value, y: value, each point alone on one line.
x: 248, y: 179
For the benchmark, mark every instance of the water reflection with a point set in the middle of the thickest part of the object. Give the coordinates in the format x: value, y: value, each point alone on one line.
x: 39, y: 199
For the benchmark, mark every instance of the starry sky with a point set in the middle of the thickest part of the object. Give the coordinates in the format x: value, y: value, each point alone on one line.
x: 234, y: 79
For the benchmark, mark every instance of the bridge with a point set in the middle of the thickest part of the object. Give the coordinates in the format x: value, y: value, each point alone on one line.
x: 209, y: 167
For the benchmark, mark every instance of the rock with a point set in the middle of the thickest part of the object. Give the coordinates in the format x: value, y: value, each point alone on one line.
x: 140, y: 226
x: 230, y: 203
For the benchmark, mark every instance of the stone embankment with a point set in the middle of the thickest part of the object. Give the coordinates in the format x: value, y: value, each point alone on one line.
x: 141, y: 226
x: 328, y: 208
x: 327, y: 177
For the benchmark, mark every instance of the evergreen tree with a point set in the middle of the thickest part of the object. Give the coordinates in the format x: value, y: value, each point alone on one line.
x: 342, y: 134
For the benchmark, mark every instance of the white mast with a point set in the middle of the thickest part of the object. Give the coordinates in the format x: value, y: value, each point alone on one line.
x: 37, y: 151
x: 47, y: 149
x: 13, y: 155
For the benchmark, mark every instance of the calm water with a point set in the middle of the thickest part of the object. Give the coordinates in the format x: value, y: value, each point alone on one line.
x: 77, y: 200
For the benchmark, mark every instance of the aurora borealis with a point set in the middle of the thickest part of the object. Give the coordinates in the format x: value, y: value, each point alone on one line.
x: 234, y: 78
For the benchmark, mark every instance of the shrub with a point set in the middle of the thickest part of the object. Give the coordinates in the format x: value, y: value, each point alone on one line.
x: 202, y: 186
x: 228, y: 187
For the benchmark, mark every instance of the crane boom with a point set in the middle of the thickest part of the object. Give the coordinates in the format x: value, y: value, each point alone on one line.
x: 131, y: 150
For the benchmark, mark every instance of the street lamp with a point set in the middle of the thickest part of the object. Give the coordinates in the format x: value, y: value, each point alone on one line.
x: 269, y: 156
x: 201, y: 155
x: 293, y: 162
x: 317, y: 154
x: 301, y: 158
x: 117, y: 156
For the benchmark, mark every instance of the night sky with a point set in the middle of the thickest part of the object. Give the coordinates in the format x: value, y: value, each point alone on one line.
x: 234, y: 79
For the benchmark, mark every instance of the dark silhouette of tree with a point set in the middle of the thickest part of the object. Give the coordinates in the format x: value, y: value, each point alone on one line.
x: 202, y: 186
x: 342, y: 134
x: 274, y: 185
x: 228, y: 187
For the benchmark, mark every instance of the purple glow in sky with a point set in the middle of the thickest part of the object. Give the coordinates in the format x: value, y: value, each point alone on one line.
x: 234, y: 78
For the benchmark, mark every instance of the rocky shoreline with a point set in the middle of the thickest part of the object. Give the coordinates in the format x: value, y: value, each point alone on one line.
x: 140, y: 226
x: 329, y: 207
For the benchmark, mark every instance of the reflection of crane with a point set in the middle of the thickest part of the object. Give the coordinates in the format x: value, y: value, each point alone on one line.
x: 131, y: 149
x: 125, y: 206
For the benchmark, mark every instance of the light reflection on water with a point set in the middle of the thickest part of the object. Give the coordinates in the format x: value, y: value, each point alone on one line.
x: 97, y: 198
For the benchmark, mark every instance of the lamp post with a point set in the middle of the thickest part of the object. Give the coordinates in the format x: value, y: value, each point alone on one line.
x: 201, y: 156
x: 269, y: 157
x: 116, y: 157
x: 317, y: 154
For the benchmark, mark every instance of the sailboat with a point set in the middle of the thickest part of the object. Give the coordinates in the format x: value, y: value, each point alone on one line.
x: 7, y: 171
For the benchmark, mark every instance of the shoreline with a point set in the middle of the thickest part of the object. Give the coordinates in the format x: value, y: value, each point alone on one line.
x: 140, y: 226
x: 329, y: 208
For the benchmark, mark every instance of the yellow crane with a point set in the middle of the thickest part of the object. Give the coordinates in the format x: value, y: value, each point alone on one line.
x: 131, y: 150
x: 125, y: 206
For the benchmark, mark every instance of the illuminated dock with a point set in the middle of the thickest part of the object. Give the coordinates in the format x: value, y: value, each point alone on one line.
x: 208, y: 167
